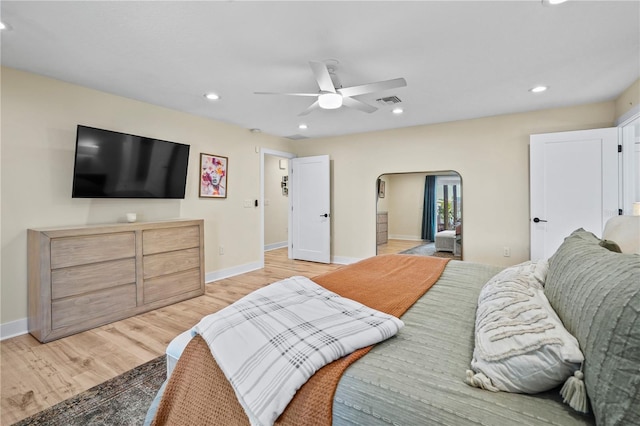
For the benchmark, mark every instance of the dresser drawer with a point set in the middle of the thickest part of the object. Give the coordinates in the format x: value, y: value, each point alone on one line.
x: 167, y: 286
x: 76, y: 280
x: 170, y: 239
x: 106, y: 303
x: 169, y: 263
x: 73, y: 251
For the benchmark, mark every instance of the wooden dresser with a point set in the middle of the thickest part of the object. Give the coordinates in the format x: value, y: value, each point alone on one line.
x: 84, y: 277
x: 382, y: 223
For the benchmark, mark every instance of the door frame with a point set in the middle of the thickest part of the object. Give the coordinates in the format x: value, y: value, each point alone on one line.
x: 626, y: 161
x: 283, y: 154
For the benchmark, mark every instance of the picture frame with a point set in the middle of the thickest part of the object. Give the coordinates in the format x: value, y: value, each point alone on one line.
x: 381, y: 189
x: 213, y: 176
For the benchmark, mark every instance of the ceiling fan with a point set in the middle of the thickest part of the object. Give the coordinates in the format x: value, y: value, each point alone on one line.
x: 332, y: 95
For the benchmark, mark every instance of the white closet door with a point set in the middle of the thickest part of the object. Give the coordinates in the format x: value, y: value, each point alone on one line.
x: 573, y: 184
x: 310, y: 215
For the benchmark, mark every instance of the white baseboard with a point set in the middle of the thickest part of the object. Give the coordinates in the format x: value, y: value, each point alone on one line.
x: 20, y: 327
x: 275, y: 246
x: 341, y: 260
x: 14, y: 328
x: 405, y: 237
x: 231, y: 272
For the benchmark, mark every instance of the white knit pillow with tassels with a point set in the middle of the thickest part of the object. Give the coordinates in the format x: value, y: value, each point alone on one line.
x: 521, y: 344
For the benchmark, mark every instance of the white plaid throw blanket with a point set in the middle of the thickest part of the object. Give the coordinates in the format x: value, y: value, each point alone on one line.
x: 271, y: 341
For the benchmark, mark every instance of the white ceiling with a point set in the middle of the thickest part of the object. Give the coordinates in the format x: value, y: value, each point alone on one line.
x: 460, y: 59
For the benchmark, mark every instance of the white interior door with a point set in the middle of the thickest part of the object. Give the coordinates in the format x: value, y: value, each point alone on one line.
x: 310, y: 208
x: 573, y: 184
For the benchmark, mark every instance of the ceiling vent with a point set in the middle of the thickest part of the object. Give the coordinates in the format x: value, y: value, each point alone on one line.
x: 296, y: 137
x: 389, y: 100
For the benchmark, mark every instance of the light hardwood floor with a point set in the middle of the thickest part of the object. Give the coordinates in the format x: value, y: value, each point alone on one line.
x: 396, y: 246
x: 35, y: 376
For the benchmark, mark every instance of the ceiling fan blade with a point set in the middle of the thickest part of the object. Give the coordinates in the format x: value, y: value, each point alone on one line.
x: 359, y: 105
x: 313, y: 106
x: 286, y: 94
x: 372, y: 87
x: 321, y: 73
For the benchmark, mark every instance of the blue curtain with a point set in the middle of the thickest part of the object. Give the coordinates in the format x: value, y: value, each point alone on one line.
x: 429, y: 210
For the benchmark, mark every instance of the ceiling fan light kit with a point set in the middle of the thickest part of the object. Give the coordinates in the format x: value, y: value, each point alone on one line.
x: 333, y: 96
x: 330, y: 100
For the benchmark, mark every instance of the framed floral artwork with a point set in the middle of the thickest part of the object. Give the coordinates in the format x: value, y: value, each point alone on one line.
x: 213, y: 176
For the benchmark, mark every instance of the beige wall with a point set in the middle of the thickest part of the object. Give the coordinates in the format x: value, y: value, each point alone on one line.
x: 630, y: 98
x: 406, y: 202
x: 39, y: 118
x: 491, y: 155
x: 275, y: 203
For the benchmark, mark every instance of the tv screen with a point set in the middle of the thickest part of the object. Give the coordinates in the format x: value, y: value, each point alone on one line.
x: 118, y: 165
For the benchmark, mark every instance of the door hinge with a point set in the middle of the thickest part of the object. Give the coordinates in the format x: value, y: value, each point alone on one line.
x: 619, y: 148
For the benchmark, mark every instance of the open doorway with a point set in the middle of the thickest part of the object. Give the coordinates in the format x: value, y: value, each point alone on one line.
x: 276, y: 202
x: 420, y: 213
x: 274, y: 196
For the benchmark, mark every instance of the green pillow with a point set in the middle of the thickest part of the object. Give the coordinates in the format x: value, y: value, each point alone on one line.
x: 611, y: 246
x: 596, y: 294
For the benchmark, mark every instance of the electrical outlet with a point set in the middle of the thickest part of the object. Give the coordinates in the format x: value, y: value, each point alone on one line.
x: 221, y: 250
x: 506, y: 251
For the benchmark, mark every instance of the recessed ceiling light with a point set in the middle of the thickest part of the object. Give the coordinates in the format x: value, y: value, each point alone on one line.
x: 212, y: 96
x: 397, y: 110
x: 303, y: 127
x: 553, y: 2
x: 3, y: 26
x: 538, y: 89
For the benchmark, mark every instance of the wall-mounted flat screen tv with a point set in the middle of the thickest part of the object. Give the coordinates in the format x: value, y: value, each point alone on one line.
x: 118, y: 165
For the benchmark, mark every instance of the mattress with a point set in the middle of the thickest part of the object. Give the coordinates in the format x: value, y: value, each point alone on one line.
x: 417, y: 378
x: 175, y: 348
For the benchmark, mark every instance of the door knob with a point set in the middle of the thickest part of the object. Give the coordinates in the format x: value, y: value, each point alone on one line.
x: 536, y: 220
x: 324, y: 215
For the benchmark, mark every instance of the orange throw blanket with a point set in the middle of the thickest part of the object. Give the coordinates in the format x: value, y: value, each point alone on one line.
x: 199, y: 393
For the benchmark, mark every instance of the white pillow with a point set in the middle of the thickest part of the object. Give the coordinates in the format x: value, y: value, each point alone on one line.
x: 521, y: 344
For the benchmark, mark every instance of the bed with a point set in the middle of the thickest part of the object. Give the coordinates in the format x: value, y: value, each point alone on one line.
x: 417, y: 377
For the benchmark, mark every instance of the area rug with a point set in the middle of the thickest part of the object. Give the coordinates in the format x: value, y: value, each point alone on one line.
x: 429, y: 249
x: 123, y: 400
